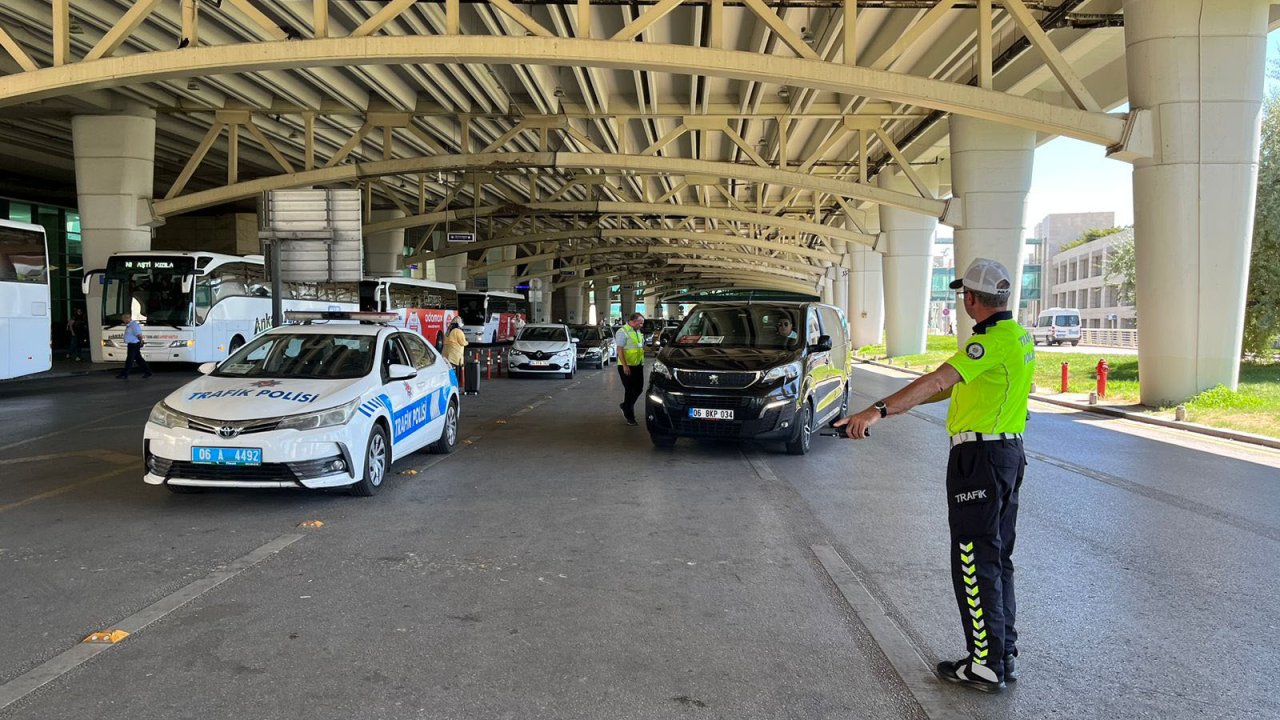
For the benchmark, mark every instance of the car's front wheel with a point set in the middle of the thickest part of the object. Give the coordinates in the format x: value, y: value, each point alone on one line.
x: 377, y: 459
x: 803, y: 440
x: 661, y: 440
x: 448, y: 441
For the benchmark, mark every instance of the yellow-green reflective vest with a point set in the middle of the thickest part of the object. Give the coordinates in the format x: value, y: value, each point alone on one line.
x: 633, y: 351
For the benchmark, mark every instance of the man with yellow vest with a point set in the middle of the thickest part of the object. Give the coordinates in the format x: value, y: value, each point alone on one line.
x: 988, y: 383
x: 630, y: 342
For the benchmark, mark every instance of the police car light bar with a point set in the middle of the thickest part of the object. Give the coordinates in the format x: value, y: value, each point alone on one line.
x: 306, y: 316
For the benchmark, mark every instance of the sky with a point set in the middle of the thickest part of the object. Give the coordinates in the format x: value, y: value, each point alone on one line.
x: 1073, y: 176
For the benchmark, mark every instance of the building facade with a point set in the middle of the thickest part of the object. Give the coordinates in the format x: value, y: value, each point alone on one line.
x: 1080, y: 280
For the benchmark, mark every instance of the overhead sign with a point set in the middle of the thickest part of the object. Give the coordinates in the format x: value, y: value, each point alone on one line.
x: 462, y: 237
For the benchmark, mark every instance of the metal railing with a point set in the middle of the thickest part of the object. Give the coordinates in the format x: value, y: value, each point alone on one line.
x: 1109, y: 337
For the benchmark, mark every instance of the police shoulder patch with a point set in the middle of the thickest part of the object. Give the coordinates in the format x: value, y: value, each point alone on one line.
x: 975, y: 351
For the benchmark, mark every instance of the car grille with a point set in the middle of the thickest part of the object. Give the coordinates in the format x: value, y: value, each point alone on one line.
x: 730, y: 380
x: 547, y: 367
x: 267, y: 472
x: 245, y: 427
x: 708, y: 428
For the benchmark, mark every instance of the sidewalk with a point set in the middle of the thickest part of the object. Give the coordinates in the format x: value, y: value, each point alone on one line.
x: 68, y: 368
x: 1136, y: 413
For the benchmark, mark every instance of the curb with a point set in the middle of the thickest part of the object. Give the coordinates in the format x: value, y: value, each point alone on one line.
x: 1197, y: 428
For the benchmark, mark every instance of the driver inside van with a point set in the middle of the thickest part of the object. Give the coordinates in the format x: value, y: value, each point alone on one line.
x: 786, y: 331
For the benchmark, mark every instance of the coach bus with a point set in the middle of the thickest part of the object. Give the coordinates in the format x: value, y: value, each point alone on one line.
x: 25, y: 319
x: 197, y: 306
x: 492, y: 317
x: 424, y: 307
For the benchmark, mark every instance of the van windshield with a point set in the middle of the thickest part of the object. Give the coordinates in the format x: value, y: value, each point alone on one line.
x: 751, y: 326
x: 1067, y: 320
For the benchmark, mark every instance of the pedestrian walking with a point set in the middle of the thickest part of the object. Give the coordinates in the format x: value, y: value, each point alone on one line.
x: 77, y: 333
x: 133, y: 341
x: 454, y: 343
x: 630, y: 344
x: 988, y: 383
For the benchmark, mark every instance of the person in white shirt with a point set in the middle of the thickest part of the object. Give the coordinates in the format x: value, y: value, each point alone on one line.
x: 133, y: 348
x: 630, y: 342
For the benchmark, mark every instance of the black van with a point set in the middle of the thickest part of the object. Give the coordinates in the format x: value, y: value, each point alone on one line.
x: 762, y: 371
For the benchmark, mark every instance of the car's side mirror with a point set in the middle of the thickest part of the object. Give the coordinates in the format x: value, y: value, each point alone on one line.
x: 823, y: 344
x: 206, y: 368
x: 401, y: 372
x: 573, y: 340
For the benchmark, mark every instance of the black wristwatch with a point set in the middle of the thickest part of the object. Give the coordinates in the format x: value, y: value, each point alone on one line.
x: 884, y: 409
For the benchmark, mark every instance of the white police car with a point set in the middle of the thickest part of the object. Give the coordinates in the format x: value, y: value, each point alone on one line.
x: 309, y: 406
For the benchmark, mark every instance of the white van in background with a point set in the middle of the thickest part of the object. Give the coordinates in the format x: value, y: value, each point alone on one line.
x: 1056, y: 326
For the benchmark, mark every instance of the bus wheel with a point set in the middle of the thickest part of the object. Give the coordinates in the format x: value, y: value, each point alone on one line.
x: 237, y: 342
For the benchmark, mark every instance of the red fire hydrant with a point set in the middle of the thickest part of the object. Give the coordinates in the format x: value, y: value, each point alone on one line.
x: 1103, y: 368
x: 1064, y: 377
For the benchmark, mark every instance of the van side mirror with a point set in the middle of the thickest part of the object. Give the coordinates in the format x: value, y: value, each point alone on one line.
x: 823, y: 344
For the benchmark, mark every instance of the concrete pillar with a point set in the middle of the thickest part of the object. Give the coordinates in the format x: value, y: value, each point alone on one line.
x: 573, y: 305
x: 584, y: 294
x: 650, y: 303
x: 600, y: 289
x: 908, y: 266
x: 865, y: 302
x: 866, y: 296
x: 673, y: 311
x: 991, y: 175
x: 539, y: 291
x: 628, y: 301
x: 452, y: 269
x: 1198, y: 66
x: 501, y: 278
x: 383, y: 251
x: 840, y: 280
x: 115, y: 169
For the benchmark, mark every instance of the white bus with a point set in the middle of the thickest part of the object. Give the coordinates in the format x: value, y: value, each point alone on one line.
x: 424, y: 307
x: 25, y: 321
x: 492, y: 317
x: 197, y: 306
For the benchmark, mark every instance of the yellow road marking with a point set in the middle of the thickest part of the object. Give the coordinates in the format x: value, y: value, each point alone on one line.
x: 64, y: 489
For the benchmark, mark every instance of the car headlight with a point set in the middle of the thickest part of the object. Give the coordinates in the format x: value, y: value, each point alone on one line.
x: 514, y: 351
x: 790, y: 371
x: 660, y: 368
x: 325, y: 418
x: 593, y: 351
x: 165, y: 416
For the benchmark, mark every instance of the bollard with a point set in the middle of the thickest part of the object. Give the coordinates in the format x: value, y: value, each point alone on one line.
x: 1103, y: 368
x: 1180, y: 413
x: 1064, y: 377
x: 1034, y: 389
x: 488, y: 364
x: 1093, y: 398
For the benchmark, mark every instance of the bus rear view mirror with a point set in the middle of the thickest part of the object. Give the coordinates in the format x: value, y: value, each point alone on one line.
x: 87, y: 281
x: 188, y: 282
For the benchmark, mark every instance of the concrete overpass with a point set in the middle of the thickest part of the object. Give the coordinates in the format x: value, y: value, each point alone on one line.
x: 669, y: 144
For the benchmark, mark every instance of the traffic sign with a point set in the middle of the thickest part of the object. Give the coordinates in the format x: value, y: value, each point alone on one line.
x: 462, y: 237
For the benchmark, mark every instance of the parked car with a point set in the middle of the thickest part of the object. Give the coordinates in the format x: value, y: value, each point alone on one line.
x: 764, y: 371
x: 543, y: 349
x: 306, y: 406
x: 593, y: 345
x: 1056, y: 326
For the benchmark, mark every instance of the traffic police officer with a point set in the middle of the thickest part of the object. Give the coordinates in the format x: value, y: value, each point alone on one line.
x: 988, y: 383
x: 630, y: 342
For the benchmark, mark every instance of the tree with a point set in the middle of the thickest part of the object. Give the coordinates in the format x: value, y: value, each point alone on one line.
x: 1122, y: 271
x: 1262, y: 301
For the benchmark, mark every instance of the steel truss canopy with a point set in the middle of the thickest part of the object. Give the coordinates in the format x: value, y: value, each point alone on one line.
x: 673, y: 143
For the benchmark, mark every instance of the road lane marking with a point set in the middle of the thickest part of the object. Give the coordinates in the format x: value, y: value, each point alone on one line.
x: 112, y: 456
x: 64, y: 489
x: 924, y: 686
x: 81, y: 426
x: 72, y: 658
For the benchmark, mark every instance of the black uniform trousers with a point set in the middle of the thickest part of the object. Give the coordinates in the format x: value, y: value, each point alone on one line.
x: 983, y: 479
x: 632, y: 387
x: 133, y: 356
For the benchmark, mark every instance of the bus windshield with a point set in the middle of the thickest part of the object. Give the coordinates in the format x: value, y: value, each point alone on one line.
x: 149, y: 288
x: 471, y: 308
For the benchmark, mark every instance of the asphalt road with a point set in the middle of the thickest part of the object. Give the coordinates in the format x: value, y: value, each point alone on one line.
x: 557, y: 566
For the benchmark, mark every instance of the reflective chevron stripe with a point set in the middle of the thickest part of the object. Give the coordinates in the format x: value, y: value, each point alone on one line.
x: 969, y: 573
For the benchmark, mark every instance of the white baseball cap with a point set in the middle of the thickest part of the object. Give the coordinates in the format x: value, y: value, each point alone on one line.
x: 985, y: 276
